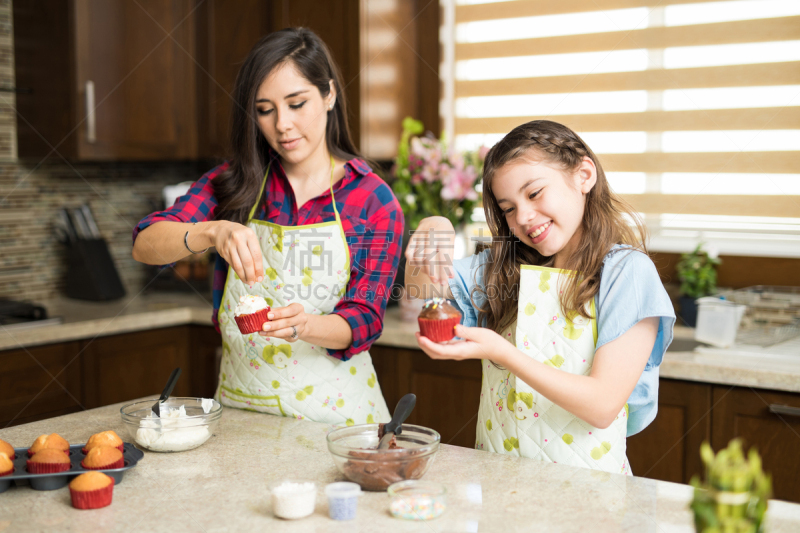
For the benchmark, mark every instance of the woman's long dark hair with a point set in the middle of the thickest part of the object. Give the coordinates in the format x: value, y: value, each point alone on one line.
x: 238, y: 187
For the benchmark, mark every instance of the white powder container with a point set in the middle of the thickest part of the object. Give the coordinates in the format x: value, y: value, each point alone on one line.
x: 293, y: 499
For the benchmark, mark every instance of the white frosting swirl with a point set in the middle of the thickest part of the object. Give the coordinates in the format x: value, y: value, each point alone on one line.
x: 172, y: 432
x: 250, y: 304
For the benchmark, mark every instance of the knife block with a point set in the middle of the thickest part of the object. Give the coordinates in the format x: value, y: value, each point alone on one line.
x: 91, y: 274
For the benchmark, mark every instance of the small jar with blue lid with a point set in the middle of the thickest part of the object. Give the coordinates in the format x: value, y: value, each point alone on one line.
x: 342, y: 500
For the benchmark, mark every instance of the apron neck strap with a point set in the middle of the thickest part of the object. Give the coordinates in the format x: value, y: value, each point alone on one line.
x: 333, y: 200
x: 260, y: 192
x: 264, y: 184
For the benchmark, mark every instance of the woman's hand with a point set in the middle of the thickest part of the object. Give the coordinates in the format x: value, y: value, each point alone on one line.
x: 478, y: 343
x: 282, y: 320
x: 431, y: 249
x: 239, y: 246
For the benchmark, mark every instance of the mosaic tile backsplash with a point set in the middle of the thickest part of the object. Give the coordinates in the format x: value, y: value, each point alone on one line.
x: 32, y: 261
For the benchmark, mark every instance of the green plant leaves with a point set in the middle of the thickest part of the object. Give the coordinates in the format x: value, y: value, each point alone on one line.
x: 697, y: 272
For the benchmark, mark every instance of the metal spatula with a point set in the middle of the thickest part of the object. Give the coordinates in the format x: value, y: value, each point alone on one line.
x: 173, y: 378
x: 401, y: 412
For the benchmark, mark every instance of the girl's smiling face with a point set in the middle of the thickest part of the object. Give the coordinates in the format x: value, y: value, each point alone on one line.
x: 543, y: 203
x: 292, y: 114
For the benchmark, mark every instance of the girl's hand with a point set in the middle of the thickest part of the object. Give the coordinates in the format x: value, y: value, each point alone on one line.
x: 239, y: 246
x: 478, y: 343
x: 281, y: 321
x: 431, y: 249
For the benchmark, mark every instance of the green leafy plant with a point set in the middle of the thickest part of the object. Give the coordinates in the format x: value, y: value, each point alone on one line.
x: 432, y: 180
x: 697, y: 272
x: 735, y: 494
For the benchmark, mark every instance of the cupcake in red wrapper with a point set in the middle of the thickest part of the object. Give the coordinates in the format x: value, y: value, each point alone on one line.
x: 251, y: 313
x: 6, y: 466
x: 53, y: 441
x: 104, y: 438
x: 103, y: 457
x: 48, y: 461
x: 7, y: 449
x: 438, y: 320
x: 91, y: 490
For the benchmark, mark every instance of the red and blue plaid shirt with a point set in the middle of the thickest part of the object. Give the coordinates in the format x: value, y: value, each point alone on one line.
x: 373, y: 226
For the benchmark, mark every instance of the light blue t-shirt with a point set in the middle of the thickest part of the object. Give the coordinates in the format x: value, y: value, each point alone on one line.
x: 630, y: 291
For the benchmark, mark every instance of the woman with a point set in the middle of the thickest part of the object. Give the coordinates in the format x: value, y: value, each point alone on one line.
x: 302, y: 222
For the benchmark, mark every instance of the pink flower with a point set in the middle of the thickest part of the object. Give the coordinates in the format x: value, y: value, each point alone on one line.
x: 482, y: 152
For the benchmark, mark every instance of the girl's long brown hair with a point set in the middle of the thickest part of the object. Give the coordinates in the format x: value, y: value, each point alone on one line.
x: 237, y: 188
x: 604, y: 225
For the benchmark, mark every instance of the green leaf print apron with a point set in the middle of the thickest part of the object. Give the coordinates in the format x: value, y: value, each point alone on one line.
x: 310, y: 265
x: 514, y: 418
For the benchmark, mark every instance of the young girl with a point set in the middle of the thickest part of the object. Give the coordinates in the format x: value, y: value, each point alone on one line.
x: 568, y: 285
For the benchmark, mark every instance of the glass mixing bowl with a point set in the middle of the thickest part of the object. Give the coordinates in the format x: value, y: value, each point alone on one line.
x: 354, y: 452
x: 171, y: 434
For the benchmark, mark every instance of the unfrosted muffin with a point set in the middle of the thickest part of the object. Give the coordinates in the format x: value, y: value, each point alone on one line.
x: 438, y: 320
x: 91, y: 490
x: 6, y: 466
x: 251, y: 313
x: 103, y: 457
x: 54, y: 441
x: 7, y: 449
x: 104, y: 438
x: 48, y: 461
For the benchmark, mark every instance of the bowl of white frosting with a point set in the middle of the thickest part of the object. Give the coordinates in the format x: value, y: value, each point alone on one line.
x: 184, y: 424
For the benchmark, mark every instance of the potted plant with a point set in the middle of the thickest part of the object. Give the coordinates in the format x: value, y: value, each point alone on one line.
x: 431, y: 179
x: 735, y: 494
x: 697, y: 272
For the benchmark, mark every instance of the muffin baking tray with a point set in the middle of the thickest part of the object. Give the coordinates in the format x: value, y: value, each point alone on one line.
x: 131, y: 455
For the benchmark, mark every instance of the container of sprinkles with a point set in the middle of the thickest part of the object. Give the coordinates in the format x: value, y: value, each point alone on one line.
x: 416, y: 500
x: 292, y: 499
x: 342, y: 500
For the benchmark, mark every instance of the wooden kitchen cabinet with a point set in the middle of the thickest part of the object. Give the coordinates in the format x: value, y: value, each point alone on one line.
x: 228, y: 29
x: 448, y: 392
x: 768, y: 420
x: 123, y: 367
x: 106, y: 79
x: 39, y: 382
x: 669, y: 448
x: 205, y: 354
x: 105, y: 370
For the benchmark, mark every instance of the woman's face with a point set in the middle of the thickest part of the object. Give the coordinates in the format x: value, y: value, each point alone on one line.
x: 292, y: 114
x: 543, y: 205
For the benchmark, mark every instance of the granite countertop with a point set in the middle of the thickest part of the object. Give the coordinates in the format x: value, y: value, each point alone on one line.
x: 82, y: 319
x: 221, y: 486
x: 86, y: 320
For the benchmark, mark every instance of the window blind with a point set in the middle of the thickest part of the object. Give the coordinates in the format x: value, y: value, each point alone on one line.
x: 693, y: 107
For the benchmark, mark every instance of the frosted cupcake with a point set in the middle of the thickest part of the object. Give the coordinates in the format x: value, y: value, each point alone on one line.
x: 251, y: 313
x: 438, y: 320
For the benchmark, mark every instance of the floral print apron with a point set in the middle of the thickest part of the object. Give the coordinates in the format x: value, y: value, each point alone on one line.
x: 514, y: 418
x: 310, y: 265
